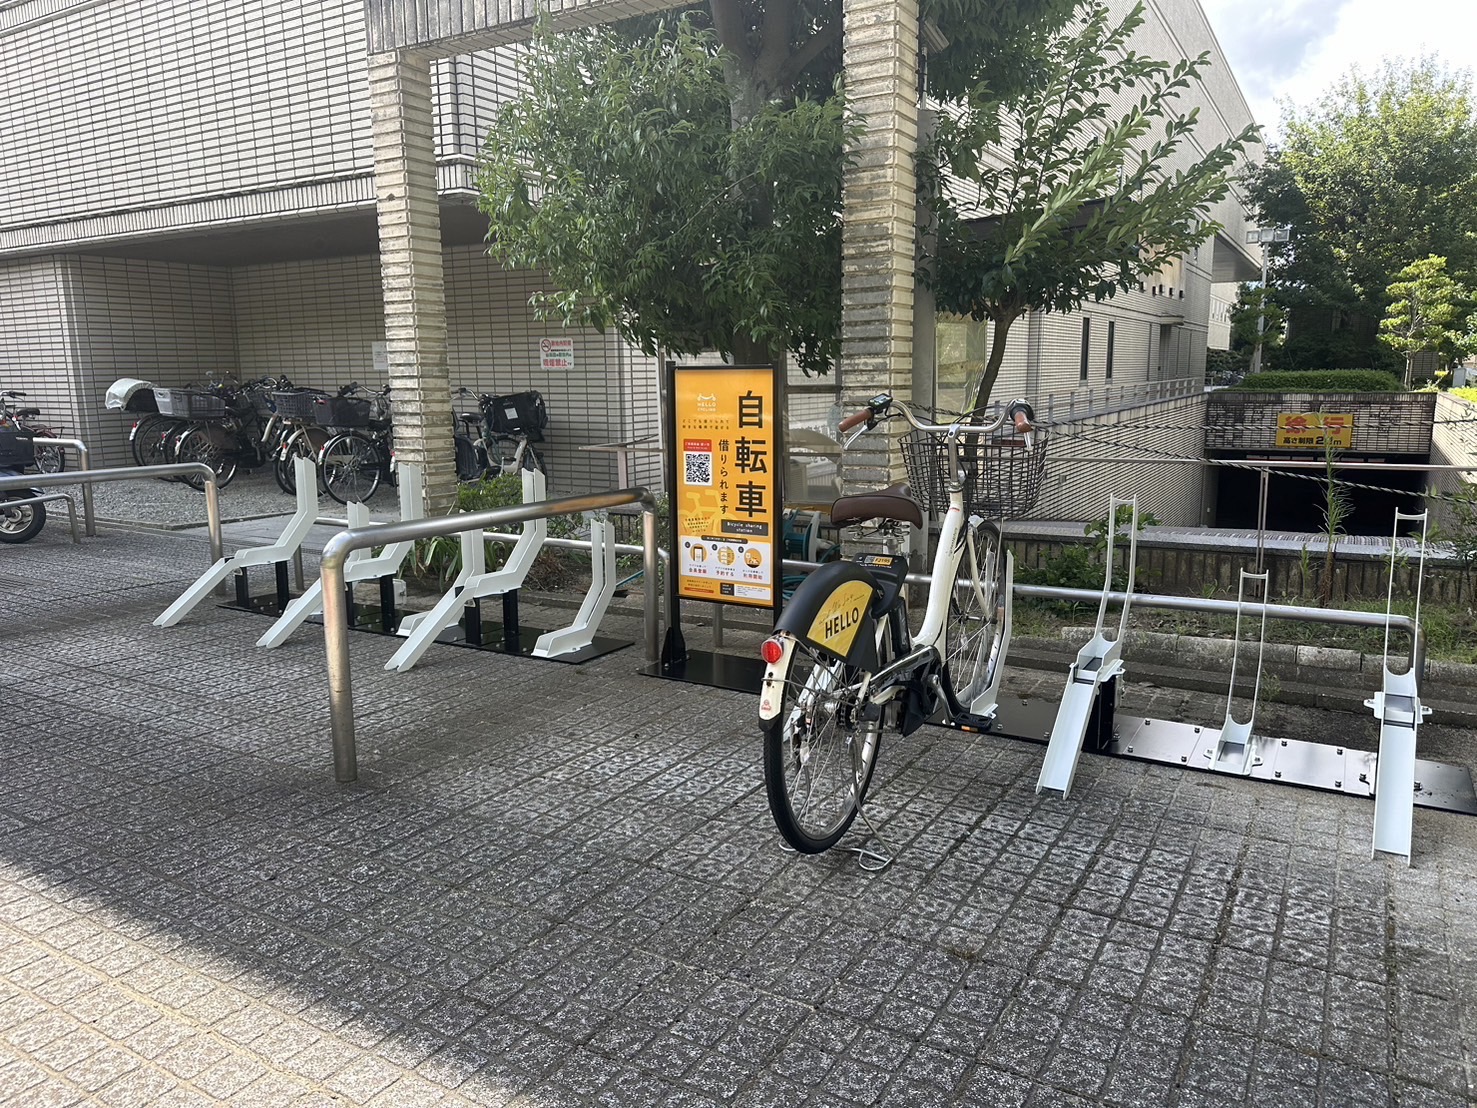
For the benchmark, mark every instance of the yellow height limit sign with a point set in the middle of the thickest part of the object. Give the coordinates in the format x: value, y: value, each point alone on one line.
x: 726, y: 512
x: 1315, y: 430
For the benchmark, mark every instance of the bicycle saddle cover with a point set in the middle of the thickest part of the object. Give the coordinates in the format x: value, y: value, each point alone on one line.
x: 894, y: 502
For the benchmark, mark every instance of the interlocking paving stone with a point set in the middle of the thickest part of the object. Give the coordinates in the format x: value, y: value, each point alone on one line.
x: 560, y: 886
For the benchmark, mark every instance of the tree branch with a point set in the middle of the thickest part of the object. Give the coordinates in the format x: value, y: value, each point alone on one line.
x: 813, y: 48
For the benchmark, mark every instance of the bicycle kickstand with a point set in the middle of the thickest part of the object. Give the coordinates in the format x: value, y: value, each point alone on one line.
x: 868, y: 858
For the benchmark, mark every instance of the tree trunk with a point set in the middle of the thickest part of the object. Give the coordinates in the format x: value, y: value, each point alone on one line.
x: 998, y: 335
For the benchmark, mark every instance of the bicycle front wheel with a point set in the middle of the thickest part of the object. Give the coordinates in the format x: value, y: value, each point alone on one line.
x: 200, y: 444
x: 351, y: 466
x: 818, y: 752
x: 305, y: 443
x: 974, y: 639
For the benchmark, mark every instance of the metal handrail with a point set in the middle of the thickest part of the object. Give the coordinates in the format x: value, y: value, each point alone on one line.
x: 135, y: 473
x: 71, y: 507
x: 84, y: 464
x: 1296, y: 612
x: 335, y: 604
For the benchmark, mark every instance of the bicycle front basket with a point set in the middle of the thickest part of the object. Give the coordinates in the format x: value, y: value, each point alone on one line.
x: 17, y: 451
x: 190, y: 403
x: 520, y: 413
x: 1002, y: 477
x: 342, y: 411
x: 296, y: 403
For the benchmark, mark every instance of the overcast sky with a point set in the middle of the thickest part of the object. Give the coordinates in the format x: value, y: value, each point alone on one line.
x: 1297, y: 48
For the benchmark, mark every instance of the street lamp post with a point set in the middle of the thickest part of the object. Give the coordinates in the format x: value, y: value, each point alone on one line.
x: 1262, y: 236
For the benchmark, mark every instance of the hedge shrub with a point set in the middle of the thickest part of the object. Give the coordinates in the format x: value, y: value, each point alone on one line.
x: 1321, y: 380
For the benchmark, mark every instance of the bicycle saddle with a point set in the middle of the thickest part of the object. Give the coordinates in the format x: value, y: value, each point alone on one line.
x: 894, y: 502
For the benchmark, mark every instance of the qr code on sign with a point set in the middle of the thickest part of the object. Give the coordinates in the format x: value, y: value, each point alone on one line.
x: 697, y: 468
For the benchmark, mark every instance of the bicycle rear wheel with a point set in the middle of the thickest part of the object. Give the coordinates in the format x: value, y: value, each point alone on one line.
x: 818, y: 753
x: 351, y: 466
x: 974, y: 638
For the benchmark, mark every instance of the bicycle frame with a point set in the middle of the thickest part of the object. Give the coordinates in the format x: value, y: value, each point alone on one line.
x: 926, y: 647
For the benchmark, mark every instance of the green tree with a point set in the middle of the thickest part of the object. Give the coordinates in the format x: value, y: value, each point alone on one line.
x: 679, y: 178
x: 1085, y: 199
x: 1252, y: 304
x: 1378, y: 171
x: 1428, y: 312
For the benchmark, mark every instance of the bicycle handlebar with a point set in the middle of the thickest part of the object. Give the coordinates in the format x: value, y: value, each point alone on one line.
x: 1018, y: 412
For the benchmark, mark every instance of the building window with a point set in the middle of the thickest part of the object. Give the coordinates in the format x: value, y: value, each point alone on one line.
x: 1086, y: 347
x: 1109, y: 373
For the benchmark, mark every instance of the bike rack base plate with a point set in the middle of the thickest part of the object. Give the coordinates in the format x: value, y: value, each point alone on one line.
x: 1323, y: 766
x: 716, y: 671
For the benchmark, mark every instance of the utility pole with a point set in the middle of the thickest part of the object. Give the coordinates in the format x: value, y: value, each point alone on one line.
x: 1263, y: 236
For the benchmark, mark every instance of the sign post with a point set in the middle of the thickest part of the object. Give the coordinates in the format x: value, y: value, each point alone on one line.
x: 725, y: 485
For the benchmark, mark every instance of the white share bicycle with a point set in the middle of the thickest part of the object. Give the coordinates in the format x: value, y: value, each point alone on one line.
x: 842, y: 665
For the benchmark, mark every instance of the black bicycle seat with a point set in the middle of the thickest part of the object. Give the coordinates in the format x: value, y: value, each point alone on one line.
x: 894, y: 502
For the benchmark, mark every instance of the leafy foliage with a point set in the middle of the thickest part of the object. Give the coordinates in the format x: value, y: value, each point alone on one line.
x: 619, y: 174
x: 1320, y: 380
x: 1379, y: 171
x: 679, y: 178
x: 1252, y: 304
x: 1082, y: 202
x: 1428, y: 311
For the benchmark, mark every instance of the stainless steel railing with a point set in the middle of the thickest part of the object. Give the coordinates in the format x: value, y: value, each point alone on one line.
x: 90, y: 477
x: 335, y: 605
x: 84, y: 465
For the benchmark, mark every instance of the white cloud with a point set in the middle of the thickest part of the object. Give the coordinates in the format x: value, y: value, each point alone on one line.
x: 1298, y: 48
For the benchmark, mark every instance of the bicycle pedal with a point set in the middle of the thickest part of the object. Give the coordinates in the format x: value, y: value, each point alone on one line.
x: 871, y: 712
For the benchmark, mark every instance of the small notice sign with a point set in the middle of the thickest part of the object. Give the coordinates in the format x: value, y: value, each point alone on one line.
x: 727, y: 491
x: 556, y: 355
x: 1315, y: 430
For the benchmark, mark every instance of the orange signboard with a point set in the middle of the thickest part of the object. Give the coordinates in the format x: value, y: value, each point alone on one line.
x: 726, y: 507
x: 1315, y: 430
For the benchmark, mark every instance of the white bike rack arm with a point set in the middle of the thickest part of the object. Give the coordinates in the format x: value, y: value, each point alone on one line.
x: 360, y: 566
x: 1097, y: 662
x: 1398, y: 708
x: 474, y: 582
x: 1233, y: 751
x: 581, y: 633
x: 284, y: 548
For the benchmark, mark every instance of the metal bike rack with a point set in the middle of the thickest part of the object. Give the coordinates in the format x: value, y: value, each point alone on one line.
x: 1398, y: 708
x: 48, y: 497
x: 385, y: 565
x: 474, y: 582
x: 1098, y: 665
x: 84, y: 465
x: 91, y: 477
x: 335, y: 605
x: 276, y: 553
x: 1233, y: 751
x: 581, y: 633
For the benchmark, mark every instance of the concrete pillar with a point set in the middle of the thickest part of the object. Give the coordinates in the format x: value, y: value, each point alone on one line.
x: 879, y: 235
x: 411, y: 269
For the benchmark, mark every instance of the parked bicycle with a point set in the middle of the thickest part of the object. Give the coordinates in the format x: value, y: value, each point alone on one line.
x: 360, y: 455
x: 49, y: 459
x: 228, y: 428
x: 499, y: 437
x: 842, y: 666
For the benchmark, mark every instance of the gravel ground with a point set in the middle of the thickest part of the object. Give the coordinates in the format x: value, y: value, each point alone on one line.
x: 172, y: 504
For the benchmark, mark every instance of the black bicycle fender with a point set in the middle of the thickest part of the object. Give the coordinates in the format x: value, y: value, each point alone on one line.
x: 832, y: 610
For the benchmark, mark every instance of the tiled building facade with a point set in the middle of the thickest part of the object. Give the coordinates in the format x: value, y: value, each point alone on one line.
x: 189, y: 191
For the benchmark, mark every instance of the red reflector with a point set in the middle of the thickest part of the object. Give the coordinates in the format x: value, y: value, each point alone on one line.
x: 771, y: 650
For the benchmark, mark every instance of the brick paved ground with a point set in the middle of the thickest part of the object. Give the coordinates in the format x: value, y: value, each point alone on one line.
x: 560, y: 886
